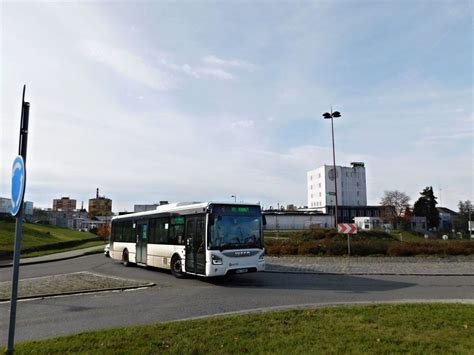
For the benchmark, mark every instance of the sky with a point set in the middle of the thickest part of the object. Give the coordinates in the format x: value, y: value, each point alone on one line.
x: 202, y: 100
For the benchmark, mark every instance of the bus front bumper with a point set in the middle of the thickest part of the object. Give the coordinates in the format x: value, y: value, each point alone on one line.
x: 237, y: 267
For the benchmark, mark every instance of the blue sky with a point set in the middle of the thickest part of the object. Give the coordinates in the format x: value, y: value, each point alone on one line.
x: 200, y: 100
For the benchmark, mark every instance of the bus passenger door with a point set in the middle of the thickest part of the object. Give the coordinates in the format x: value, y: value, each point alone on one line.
x: 195, y: 245
x: 142, y: 240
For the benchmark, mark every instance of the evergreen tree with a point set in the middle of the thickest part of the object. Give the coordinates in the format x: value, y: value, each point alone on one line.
x: 426, y: 207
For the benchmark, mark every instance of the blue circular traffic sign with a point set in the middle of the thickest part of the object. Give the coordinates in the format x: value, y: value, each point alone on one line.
x: 18, y: 184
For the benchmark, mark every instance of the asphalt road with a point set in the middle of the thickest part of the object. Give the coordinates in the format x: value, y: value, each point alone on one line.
x: 173, y: 299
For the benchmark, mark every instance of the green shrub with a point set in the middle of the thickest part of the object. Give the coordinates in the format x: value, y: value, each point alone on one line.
x: 338, y: 246
x: 365, y: 248
x: 289, y: 249
x: 310, y: 248
x: 432, y: 248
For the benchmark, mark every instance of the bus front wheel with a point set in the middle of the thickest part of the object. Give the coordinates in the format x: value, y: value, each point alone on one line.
x: 177, y: 267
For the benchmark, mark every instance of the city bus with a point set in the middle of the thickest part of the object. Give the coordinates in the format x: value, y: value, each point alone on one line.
x: 198, y: 238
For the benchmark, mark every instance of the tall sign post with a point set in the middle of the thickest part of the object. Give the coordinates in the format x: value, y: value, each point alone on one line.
x: 347, y: 228
x: 18, y: 193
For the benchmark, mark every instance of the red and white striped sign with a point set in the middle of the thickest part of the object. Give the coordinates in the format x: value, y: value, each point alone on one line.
x: 347, y: 228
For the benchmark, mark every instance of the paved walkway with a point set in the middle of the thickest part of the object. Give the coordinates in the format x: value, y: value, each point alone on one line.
x: 452, y: 265
x: 63, y: 284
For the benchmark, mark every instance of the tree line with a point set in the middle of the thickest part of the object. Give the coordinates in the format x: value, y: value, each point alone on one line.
x: 399, y: 211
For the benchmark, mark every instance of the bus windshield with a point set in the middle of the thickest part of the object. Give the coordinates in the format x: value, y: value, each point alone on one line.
x: 235, y: 232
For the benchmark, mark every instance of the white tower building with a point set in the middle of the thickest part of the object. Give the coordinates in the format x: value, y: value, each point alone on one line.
x: 351, y: 186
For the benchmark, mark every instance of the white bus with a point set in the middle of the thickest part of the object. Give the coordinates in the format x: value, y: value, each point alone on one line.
x: 199, y: 238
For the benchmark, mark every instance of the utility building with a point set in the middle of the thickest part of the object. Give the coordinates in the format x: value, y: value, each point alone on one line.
x: 351, y: 186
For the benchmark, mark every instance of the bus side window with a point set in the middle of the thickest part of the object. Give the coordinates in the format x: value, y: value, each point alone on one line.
x: 162, y: 230
x: 119, y: 234
x: 128, y: 232
x: 152, y: 235
x: 178, y: 238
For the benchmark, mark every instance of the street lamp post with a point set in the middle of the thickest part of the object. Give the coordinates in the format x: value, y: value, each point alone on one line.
x: 330, y: 116
x: 235, y: 197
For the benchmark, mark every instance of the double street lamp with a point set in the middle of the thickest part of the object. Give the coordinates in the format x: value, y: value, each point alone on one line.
x: 330, y: 116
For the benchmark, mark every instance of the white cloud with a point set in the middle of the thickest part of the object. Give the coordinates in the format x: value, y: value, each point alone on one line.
x: 448, y: 138
x: 183, y: 68
x: 236, y: 63
x: 126, y: 64
x: 243, y: 124
x: 216, y: 73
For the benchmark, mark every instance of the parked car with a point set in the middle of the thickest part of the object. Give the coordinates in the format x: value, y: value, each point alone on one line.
x: 107, y: 250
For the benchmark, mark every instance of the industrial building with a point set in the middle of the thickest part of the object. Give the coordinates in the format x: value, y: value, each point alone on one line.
x: 100, y: 206
x: 64, y: 204
x: 351, y: 186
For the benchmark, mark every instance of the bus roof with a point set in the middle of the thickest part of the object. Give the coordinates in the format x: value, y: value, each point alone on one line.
x: 180, y: 206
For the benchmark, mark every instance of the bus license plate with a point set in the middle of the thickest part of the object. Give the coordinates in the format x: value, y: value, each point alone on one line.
x: 241, y: 271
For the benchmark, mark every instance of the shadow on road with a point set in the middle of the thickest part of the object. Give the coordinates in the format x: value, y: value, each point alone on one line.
x: 342, y: 283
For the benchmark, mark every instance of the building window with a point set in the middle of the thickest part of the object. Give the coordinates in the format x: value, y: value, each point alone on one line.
x: 319, y: 175
x: 319, y: 185
x: 320, y: 194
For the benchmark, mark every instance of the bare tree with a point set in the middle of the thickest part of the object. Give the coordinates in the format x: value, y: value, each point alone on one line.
x: 398, y: 201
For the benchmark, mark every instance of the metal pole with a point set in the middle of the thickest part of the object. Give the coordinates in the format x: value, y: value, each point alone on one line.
x: 334, y: 166
x: 348, y: 245
x: 469, y: 222
x: 22, y: 149
x: 16, y: 274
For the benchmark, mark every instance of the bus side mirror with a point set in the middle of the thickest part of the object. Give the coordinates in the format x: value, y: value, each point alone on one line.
x: 264, y: 220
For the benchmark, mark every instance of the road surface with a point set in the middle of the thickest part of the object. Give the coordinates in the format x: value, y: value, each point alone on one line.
x: 173, y: 299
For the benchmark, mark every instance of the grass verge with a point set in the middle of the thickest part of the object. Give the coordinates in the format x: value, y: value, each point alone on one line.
x: 97, y: 243
x: 35, y: 235
x: 413, y: 328
x: 38, y: 240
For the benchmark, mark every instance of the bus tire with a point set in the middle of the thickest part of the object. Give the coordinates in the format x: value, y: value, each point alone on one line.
x: 177, y: 267
x: 125, y: 260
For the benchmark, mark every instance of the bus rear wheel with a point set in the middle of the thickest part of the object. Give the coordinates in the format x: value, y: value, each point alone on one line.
x: 125, y: 260
x: 177, y: 267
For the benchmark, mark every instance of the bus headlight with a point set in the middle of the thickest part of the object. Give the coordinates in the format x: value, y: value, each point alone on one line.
x: 261, y: 257
x: 216, y: 260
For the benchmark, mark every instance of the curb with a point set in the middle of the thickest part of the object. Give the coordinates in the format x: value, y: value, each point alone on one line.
x: 26, y: 262
x: 150, y: 284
